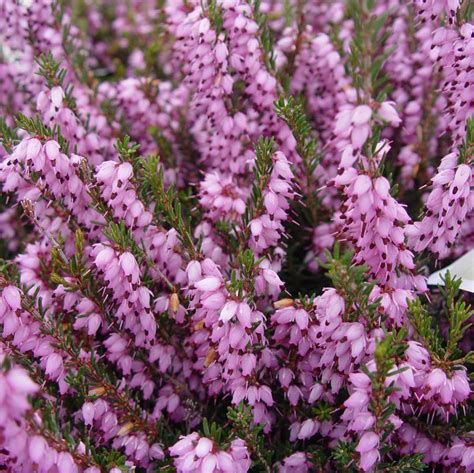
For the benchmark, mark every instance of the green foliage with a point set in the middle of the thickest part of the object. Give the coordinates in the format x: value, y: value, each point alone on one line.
x: 151, y: 176
x: 54, y: 75
x: 79, y: 244
x: 242, y: 282
x: 51, y: 70
x: 72, y: 266
x: 214, y: 12
x: 307, y: 209
x: 465, y: 13
x: 444, y: 350
x: 466, y: 150
x: 406, y: 464
x: 351, y: 283
x: 322, y: 411
x: 293, y: 113
x: 127, y: 152
x: 294, y: 15
x: 121, y: 235
x: 391, y: 347
x: 6, y: 364
x: 212, y: 431
x: 265, y: 34
x: 263, y: 167
x: 35, y: 126
x: 387, y: 352
x: 165, y: 149
x: 343, y: 455
x: 72, y: 44
x: 242, y: 425
x: 168, y: 202
x: 425, y: 326
x: 367, y: 54
x: 8, y: 136
x: 288, y: 12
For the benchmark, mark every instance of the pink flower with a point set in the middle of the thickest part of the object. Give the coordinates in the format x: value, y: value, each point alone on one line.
x: 361, y: 115
x: 36, y: 448
x: 367, y: 447
x: 202, y: 455
x: 367, y: 442
x: 88, y: 413
x: 388, y: 113
x: 12, y: 297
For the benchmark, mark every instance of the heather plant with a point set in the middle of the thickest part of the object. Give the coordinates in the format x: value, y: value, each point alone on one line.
x: 217, y: 220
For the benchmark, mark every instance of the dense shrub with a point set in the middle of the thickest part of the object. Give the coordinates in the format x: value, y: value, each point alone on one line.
x: 217, y: 221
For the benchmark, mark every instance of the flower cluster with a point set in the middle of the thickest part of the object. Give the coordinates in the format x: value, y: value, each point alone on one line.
x: 217, y: 220
x: 200, y: 454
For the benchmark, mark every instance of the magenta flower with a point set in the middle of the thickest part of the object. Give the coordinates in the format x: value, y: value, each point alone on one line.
x: 217, y: 219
